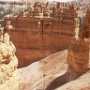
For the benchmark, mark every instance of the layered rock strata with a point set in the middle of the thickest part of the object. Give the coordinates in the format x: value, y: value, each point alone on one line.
x: 9, y: 76
x: 78, y: 63
x: 43, y: 30
x: 78, y: 57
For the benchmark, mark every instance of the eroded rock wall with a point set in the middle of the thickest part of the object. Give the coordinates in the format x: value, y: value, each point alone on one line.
x: 78, y: 57
x: 37, y: 38
x: 9, y: 76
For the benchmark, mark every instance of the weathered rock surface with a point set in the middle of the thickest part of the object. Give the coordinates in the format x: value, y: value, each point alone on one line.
x: 81, y: 83
x: 39, y: 75
x: 78, y: 63
x: 86, y: 26
x: 78, y: 56
x: 35, y: 38
x: 9, y: 76
x: 52, y: 72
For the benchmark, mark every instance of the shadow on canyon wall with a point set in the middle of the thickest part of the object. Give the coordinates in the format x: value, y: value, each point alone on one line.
x: 61, y: 80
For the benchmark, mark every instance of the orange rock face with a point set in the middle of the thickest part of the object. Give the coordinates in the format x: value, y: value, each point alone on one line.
x: 35, y: 41
x: 35, y: 38
x: 78, y: 56
x: 86, y: 26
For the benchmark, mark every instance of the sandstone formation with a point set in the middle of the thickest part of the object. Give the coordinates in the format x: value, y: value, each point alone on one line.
x: 55, y: 71
x: 78, y: 64
x: 78, y: 56
x: 81, y: 83
x: 40, y: 74
x: 9, y: 76
x: 36, y: 37
x: 54, y: 79
x: 52, y: 72
x: 85, y: 30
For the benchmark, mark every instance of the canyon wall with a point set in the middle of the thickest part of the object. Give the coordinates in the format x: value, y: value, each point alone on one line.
x: 36, y: 38
x: 85, y: 30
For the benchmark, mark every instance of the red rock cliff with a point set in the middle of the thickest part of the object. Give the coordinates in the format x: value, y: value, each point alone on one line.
x: 78, y: 57
x: 36, y: 38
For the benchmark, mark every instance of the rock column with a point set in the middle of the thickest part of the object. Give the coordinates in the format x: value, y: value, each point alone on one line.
x: 9, y: 76
x: 78, y: 57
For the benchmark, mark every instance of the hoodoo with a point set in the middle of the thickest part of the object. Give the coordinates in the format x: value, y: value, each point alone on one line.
x: 9, y: 76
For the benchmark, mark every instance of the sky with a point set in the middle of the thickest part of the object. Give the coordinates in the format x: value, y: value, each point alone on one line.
x: 48, y: 0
